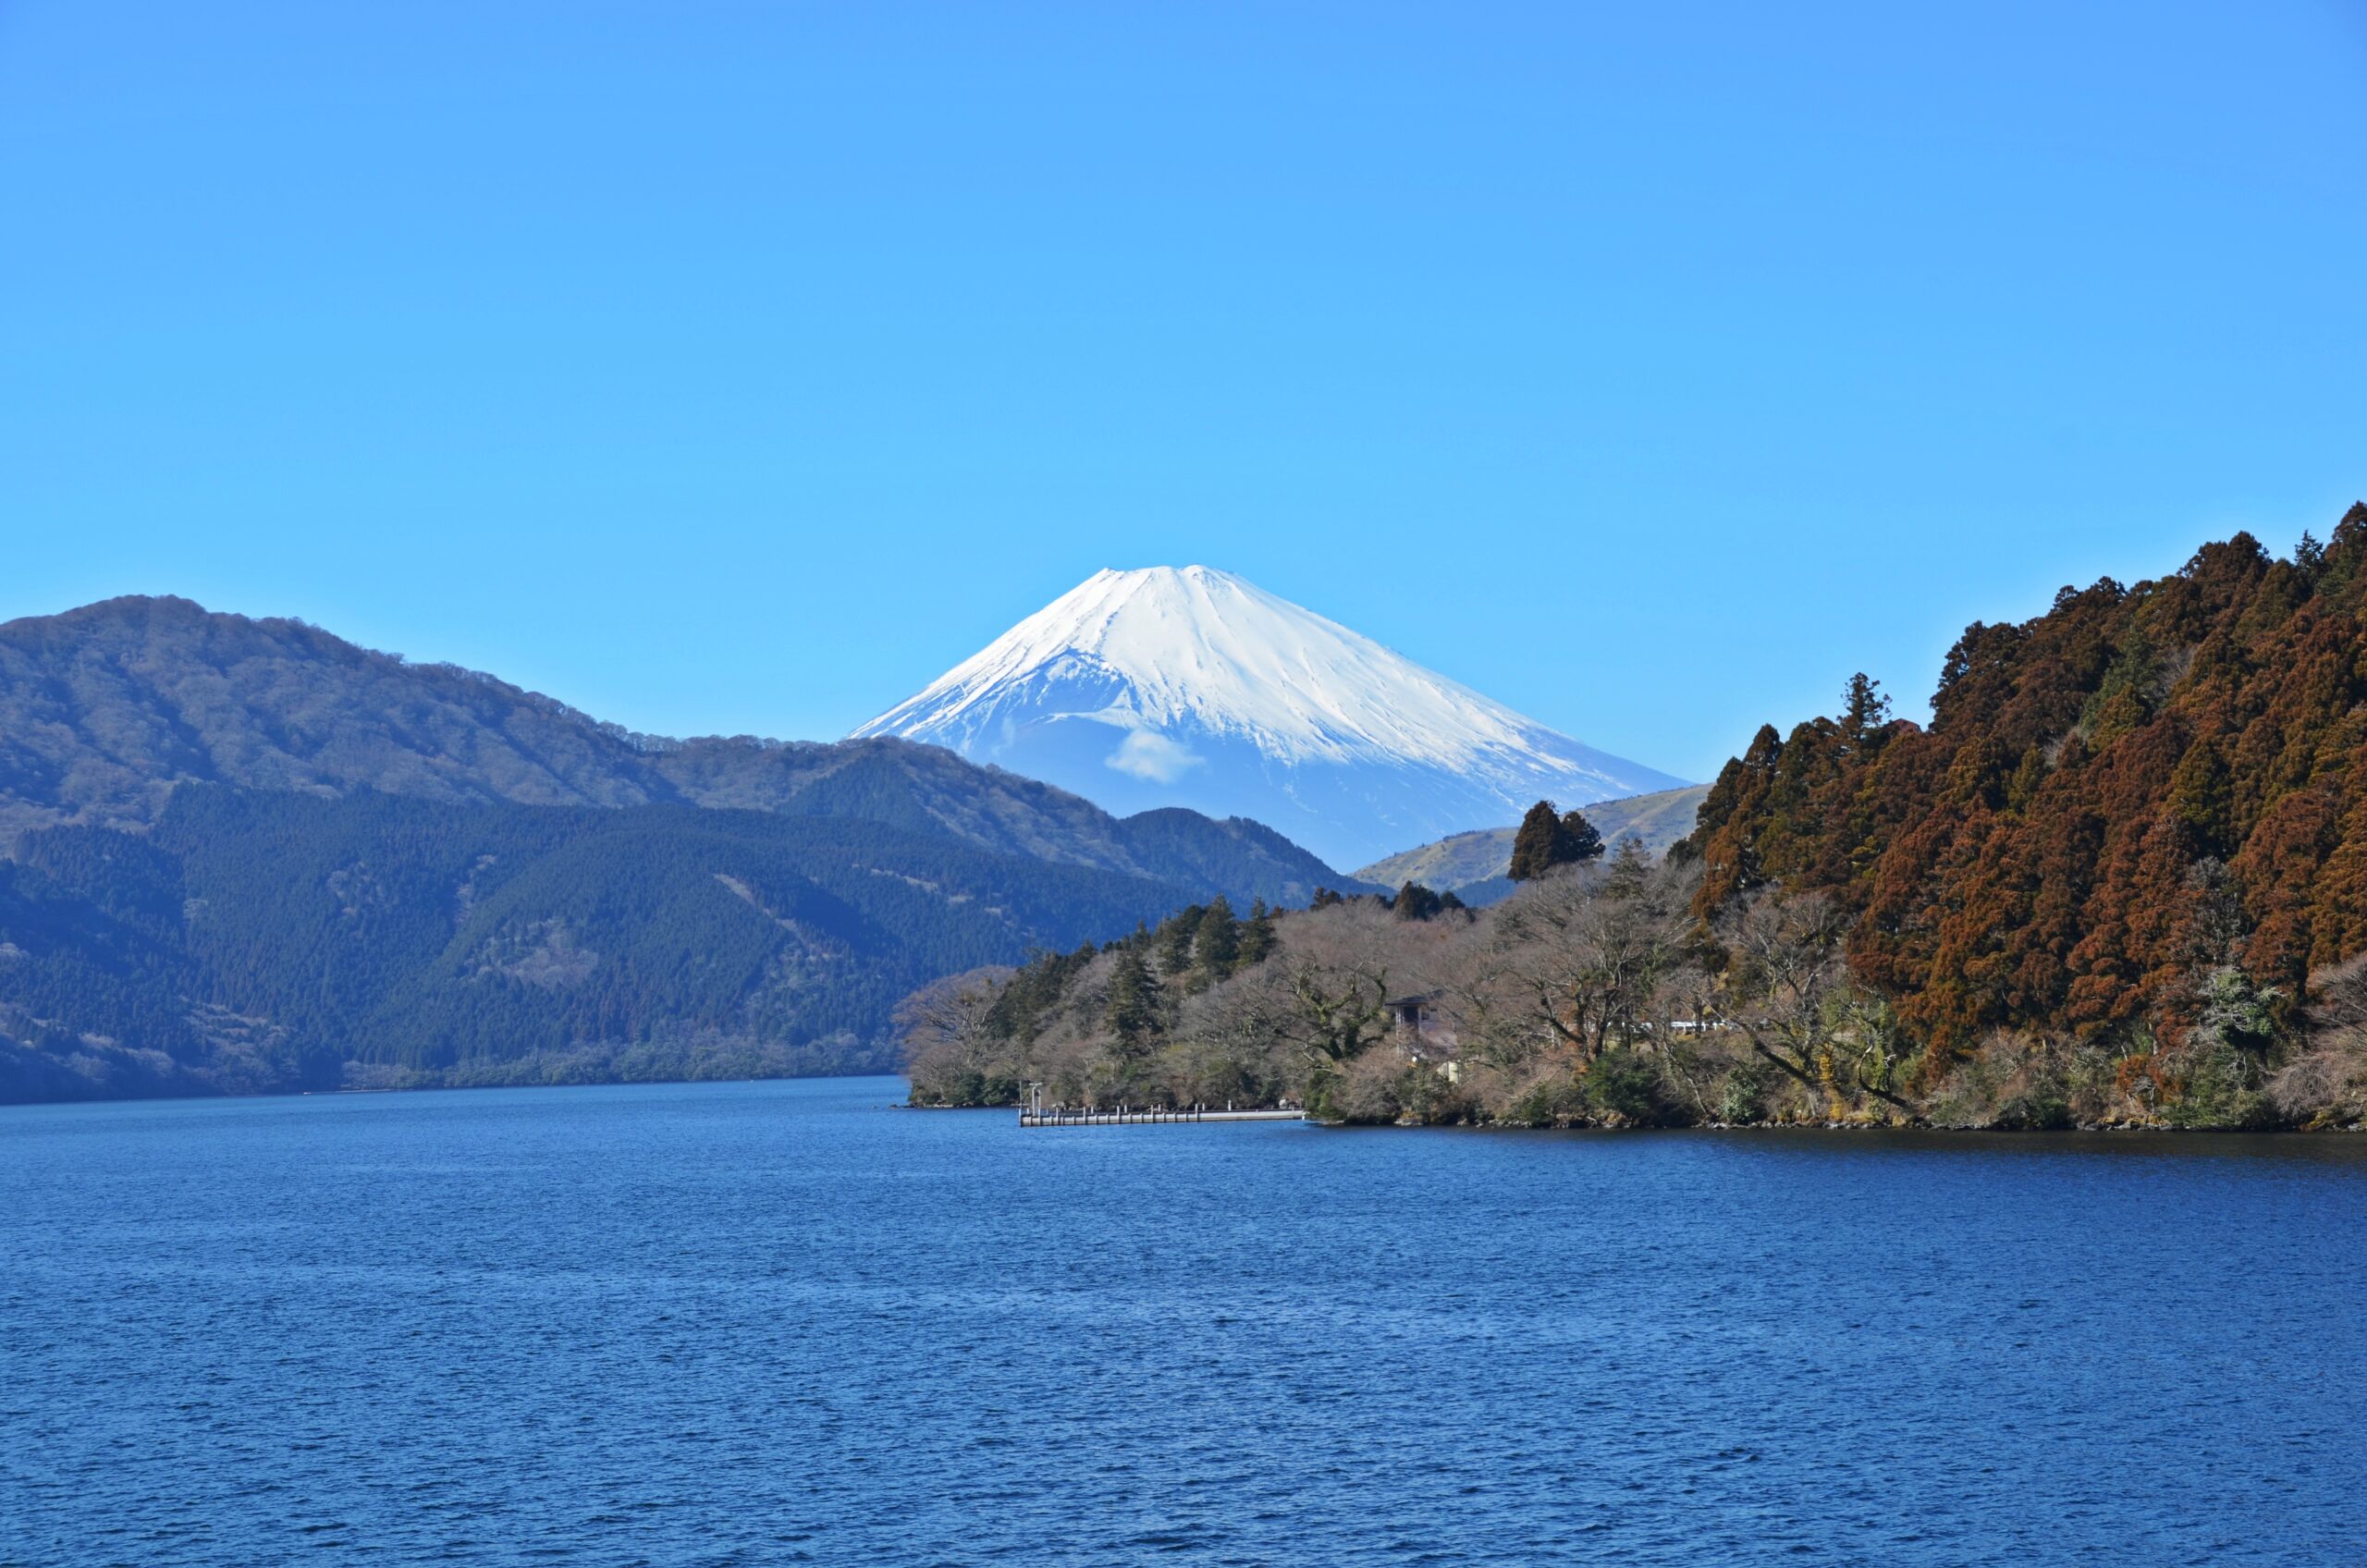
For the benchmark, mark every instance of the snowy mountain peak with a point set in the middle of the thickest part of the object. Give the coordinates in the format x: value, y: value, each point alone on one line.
x: 1193, y: 686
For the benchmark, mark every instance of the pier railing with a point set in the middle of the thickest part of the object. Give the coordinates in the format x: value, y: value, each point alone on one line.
x: 1120, y: 1115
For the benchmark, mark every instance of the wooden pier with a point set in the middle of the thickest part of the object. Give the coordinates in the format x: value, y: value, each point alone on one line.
x: 1033, y: 1112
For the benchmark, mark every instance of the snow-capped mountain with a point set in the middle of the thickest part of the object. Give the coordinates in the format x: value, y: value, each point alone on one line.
x: 1188, y: 686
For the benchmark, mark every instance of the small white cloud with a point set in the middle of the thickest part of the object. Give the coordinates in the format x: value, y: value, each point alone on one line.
x: 1145, y: 753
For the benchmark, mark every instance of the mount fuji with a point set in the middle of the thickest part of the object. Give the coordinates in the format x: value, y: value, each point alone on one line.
x: 1186, y: 686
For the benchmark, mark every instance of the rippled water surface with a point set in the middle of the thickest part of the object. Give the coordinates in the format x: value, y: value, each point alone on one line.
x: 782, y: 1323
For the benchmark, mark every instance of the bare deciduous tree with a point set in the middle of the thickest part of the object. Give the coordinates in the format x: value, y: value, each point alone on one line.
x: 1578, y: 959
x: 1788, y: 993
x: 946, y: 1021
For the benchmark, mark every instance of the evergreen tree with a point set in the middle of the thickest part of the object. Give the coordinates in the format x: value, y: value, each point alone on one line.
x: 1216, y: 946
x: 1256, y: 939
x: 2309, y: 554
x: 2202, y: 796
x: 1174, y: 940
x: 1578, y: 841
x: 2239, y: 1010
x: 2339, y: 563
x: 1865, y: 712
x: 1631, y: 869
x: 1415, y: 901
x: 1546, y: 840
x: 1133, y: 1014
x: 2124, y: 701
x: 1534, y: 844
x: 2027, y: 779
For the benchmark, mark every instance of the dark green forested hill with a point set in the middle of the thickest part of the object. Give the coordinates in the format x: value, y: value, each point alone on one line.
x: 254, y: 940
x: 105, y: 710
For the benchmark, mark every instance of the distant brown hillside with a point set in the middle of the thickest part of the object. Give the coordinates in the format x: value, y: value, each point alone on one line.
x: 1472, y: 866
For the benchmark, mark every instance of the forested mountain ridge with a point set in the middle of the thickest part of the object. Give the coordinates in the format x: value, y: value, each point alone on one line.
x: 105, y: 710
x: 2146, y: 804
x: 258, y: 941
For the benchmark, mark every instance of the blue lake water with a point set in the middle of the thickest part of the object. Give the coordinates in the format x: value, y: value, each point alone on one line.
x: 766, y: 1323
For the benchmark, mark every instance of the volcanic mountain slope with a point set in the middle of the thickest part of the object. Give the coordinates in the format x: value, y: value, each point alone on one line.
x: 1191, y: 687
x: 106, y: 710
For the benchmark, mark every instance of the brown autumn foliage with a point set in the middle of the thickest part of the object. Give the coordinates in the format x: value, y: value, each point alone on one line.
x: 2141, y: 789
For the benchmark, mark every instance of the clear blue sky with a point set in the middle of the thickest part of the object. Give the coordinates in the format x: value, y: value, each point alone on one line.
x: 737, y: 368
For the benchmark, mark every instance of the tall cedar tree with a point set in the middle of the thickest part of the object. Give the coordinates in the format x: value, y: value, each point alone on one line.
x: 1216, y: 945
x: 1133, y: 1014
x: 1415, y: 901
x: 1533, y: 846
x: 1579, y: 840
x: 1173, y: 939
x: 1545, y: 840
x: 1864, y: 710
x: 1256, y: 938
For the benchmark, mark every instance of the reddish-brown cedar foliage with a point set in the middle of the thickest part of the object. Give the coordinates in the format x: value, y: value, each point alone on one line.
x: 2136, y: 788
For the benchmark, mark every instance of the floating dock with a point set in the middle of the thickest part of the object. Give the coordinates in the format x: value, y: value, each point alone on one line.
x: 1030, y: 1116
